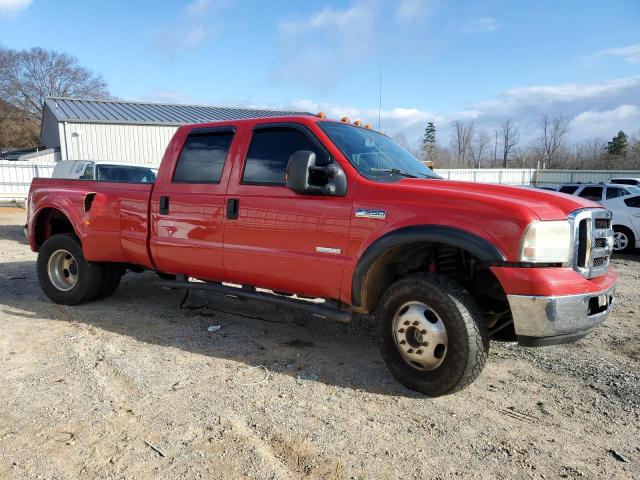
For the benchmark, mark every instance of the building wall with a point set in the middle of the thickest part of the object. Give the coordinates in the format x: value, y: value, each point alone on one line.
x: 49, y: 130
x: 143, y: 144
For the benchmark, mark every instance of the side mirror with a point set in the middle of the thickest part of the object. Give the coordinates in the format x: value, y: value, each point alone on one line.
x: 302, y: 176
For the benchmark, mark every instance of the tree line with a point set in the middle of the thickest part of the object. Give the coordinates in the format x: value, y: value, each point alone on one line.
x: 472, y: 147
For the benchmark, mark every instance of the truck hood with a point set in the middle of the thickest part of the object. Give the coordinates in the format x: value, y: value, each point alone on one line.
x: 545, y: 204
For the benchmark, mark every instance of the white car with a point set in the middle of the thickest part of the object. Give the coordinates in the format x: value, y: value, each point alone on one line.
x: 626, y: 181
x: 104, y: 171
x: 626, y: 222
x: 598, y: 192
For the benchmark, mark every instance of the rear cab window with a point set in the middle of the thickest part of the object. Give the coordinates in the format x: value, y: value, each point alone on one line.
x: 203, y: 156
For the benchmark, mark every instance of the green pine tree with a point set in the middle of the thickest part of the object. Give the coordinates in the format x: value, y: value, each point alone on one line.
x: 429, y: 142
x: 619, y: 145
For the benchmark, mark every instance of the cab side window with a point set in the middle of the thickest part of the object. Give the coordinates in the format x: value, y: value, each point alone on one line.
x: 202, y: 157
x: 591, y: 193
x: 570, y: 189
x: 88, y: 172
x: 633, y: 202
x: 269, y: 154
x: 615, y: 192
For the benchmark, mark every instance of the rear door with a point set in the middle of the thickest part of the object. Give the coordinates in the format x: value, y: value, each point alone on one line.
x: 187, y: 206
x: 274, y: 237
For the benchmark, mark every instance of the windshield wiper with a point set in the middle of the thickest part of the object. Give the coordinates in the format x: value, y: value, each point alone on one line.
x: 397, y: 171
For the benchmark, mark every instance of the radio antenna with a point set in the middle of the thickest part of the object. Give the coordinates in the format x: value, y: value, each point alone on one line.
x: 380, y: 100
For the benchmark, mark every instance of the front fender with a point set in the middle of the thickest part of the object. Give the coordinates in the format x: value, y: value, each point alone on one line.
x: 477, y: 246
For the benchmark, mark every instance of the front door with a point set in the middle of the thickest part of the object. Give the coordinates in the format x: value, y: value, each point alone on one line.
x: 188, y: 205
x: 278, y: 239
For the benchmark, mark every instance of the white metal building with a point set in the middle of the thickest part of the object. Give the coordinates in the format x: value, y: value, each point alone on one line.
x: 125, y: 131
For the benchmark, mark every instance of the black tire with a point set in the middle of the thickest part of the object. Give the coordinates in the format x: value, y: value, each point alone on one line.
x: 467, y: 344
x: 112, y: 275
x: 630, y: 237
x: 90, y: 275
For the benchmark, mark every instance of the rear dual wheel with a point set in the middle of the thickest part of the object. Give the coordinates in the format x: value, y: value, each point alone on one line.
x: 67, y: 278
x: 432, y: 335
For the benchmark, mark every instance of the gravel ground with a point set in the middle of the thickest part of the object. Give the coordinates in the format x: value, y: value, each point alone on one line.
x: 136, y: 387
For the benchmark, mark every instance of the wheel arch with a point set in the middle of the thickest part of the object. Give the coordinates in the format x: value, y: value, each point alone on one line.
x: 49, y: 221
x: 371, y: 275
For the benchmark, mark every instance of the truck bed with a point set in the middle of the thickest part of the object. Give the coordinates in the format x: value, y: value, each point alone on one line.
x: 111, y: 218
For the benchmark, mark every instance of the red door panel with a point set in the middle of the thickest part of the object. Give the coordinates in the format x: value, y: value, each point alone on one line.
x: 274, y: 242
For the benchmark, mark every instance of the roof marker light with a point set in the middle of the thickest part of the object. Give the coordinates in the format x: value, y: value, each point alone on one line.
x: 357, y: 123
x: 368, y: 126
x: 345, y: 120
x: 321, y: 115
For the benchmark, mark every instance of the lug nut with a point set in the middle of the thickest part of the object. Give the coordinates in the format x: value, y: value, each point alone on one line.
x: 402, y: 342
x: 415, y: 323
x: 406, y: 322
x: 401, y: 330
x: 424, y: 332
x: 410, y: 350
x: 419, y: 352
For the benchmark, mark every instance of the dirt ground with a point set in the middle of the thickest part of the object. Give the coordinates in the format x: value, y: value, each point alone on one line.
x: 136, y: 387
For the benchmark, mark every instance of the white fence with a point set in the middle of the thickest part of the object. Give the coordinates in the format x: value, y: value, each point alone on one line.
x: 531, y: 176
x: 15, y: 179
x: 16, y: 176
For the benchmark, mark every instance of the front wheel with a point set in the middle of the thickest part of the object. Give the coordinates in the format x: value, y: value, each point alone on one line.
x: 432, y: 335
x: 65, y: 276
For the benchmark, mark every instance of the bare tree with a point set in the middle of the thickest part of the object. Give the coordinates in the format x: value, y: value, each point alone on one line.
x: 478, y: 146
x: 17, y: 130
x: 495, y: 150
x: 554, y: 132
x: 461, y: 140
x: 27, y: 77
x: 510, y: 138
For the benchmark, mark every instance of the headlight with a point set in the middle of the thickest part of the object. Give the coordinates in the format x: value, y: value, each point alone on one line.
x: 546, y: 242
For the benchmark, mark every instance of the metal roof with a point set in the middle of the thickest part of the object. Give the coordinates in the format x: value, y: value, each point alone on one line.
x: 144, y: 113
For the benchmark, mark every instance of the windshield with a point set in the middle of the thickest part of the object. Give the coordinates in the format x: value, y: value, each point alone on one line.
x: 374, y: 155
x: 121, y: 173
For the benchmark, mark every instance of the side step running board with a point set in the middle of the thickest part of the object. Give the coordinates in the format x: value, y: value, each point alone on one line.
x: 318, y: 309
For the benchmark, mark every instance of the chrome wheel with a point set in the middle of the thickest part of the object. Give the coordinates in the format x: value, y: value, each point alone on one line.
x: 620, y: 241
x: 420, y: 336
x: 63, y: 270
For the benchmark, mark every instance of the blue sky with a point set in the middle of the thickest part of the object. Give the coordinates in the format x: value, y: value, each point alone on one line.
x: 482, y: 61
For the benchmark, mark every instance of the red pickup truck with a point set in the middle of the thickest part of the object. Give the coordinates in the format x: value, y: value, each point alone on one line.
x: 291, y: 208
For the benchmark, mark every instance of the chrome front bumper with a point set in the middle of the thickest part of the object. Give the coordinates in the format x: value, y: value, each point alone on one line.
x: 542, y: 321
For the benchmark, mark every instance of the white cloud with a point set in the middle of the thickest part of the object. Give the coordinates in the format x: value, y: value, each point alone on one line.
x: 630, y: 53
x: 198, y: 22
x: 595, y: 109
x: 13, y: 7
x: 595, y: 123
x: 316, y: 50
x: 482, y: 25
x: 408, y: 10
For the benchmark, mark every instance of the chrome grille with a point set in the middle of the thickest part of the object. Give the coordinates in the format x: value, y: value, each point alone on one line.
x: 592, y: 241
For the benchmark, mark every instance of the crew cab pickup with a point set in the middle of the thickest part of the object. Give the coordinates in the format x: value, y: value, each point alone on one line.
x: 288, y: 208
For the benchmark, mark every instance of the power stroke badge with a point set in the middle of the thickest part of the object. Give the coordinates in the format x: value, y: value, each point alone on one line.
x: 369, y: 213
